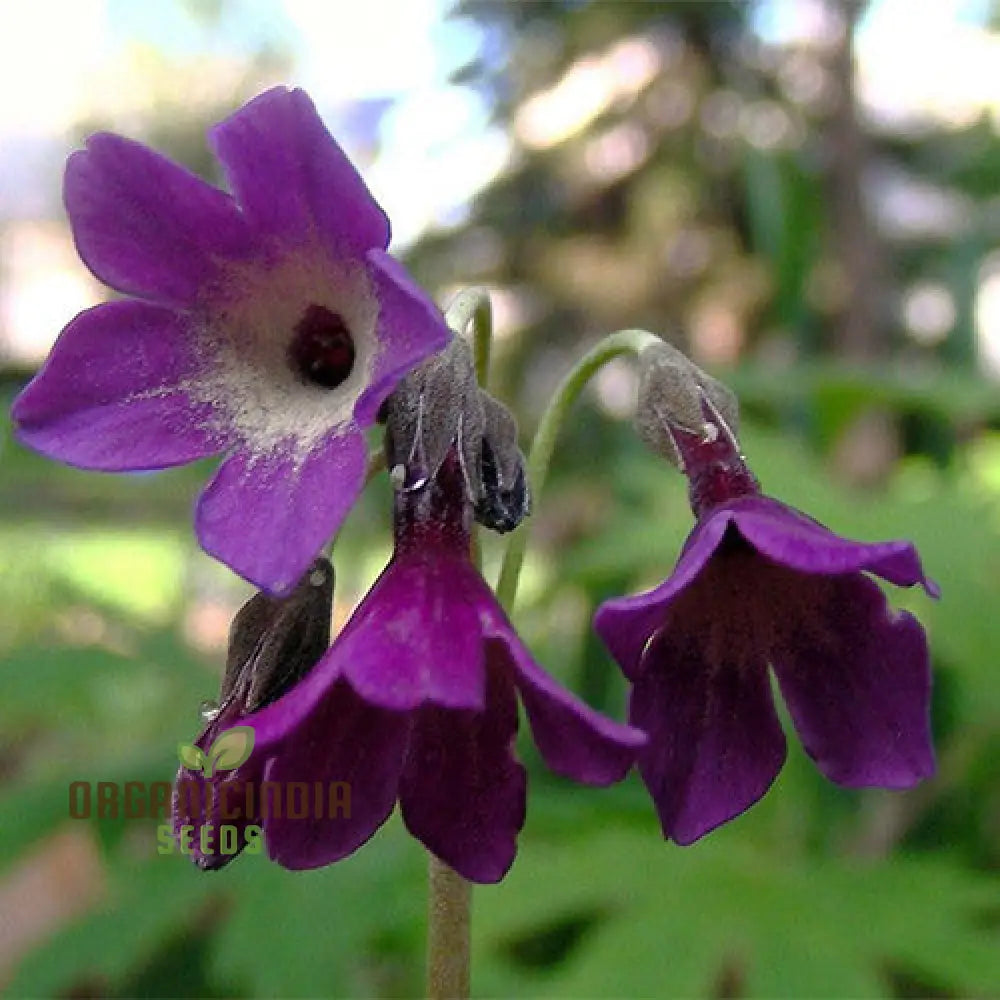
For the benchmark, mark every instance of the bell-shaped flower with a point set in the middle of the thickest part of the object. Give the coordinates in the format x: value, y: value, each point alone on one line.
x: 758, y: 585
x: 416, y: 702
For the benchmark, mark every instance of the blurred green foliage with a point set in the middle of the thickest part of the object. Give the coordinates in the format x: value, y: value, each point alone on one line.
x: 112, y: 622
x: 815, y: 892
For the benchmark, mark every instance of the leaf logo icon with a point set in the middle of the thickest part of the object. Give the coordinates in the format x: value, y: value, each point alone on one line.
x: 230, y: 750
x: 191, y: 756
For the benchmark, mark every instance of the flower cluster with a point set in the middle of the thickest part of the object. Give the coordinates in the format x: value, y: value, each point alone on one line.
x: 416, y: 700
x: 267, y: 324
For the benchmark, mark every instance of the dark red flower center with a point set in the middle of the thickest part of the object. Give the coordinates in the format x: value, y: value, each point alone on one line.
x: 322, y: 348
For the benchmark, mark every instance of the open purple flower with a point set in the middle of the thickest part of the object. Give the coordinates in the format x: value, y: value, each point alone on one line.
x: 268, y: 325
x: 760, y: 583
x: 417, y: 701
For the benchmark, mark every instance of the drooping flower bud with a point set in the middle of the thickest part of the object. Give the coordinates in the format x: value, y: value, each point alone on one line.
x: 436, y: 405
x: 439, y: 406
x: 673, y: 394
x: 273, y: 643
x: 691, y: 419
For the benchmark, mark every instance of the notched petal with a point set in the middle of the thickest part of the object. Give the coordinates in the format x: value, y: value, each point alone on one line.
x: 575, y: 741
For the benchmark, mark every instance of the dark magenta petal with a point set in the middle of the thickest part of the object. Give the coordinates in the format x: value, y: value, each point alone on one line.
x: 109, y: 395
x: 145, y: 225
x: 715, y: 742
x: 856, y: 678
x: 268, y: 515
x: 463, y: 793
x: 416, y: 636
x: 794, y: 540
x: 410, y: 328
x: 574, y: 740
x: 291, y: 178
x: 280, y: 719
x: 343, y: 741
x: 625, y: 624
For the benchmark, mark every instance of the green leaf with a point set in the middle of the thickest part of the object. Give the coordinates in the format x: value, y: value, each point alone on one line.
x: 352, y: 929
x: 657, y: 920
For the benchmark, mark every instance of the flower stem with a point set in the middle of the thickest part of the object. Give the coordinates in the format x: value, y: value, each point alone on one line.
x: 473, y: 305
x: 612, y: 346
x: 450, y: 901
x: 376, y: 463
x: 449, y: 895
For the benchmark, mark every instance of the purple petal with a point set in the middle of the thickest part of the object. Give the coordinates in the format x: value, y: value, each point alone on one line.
x: 291, y: 178
x: 715, y: 743
x: 625, y: 624
x: 575, y: 741
x: 145, y: 225
x: 410, y: 328
x: 794, y: 540
x: 279, y: 720
x: 415, y: 638
x: 856, y: 678
x: 108, y: 398
x: 266, y: 516
x: 343, y: 740
x: 463, y: 793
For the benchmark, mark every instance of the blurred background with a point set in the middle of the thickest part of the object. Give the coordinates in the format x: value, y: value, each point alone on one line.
x: 804, y: 195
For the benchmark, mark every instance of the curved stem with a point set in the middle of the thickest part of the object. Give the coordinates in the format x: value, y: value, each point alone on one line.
x: 473, y: 305
x: 450, y: 900
x: 612, y: 346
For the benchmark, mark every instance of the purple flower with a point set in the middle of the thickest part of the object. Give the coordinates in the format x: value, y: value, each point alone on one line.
x: 417, y: 701
x: 760, y: 583
x: 268, y: 325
